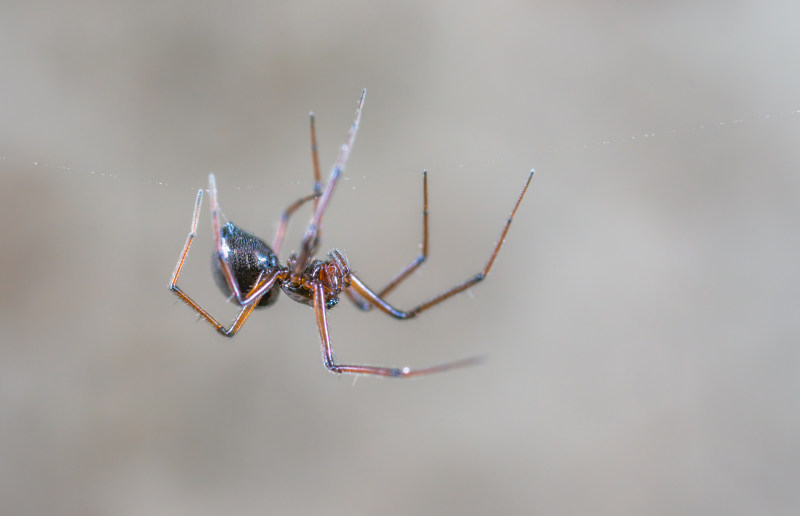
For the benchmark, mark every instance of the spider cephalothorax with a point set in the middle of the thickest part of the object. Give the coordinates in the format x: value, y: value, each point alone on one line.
x: 333, y: 274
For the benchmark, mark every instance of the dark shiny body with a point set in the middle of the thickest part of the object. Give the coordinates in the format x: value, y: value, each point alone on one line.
x: 249, y: 258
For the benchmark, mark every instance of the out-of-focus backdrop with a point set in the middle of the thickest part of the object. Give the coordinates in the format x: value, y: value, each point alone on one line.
x: 640, y: 327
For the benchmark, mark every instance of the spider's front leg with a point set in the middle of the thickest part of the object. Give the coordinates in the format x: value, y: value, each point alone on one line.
x: 225, y: 267
x: 311, y: 237
x: 262, y: 286
x: 394, y: 372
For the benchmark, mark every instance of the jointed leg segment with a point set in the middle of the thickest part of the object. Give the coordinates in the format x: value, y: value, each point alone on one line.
x: 315, y: 161
x: 311, y: 237
x: 249, y: 302
x: 423, y: 255
x: 364, y: 297
x: 395, y: 372
x: 280, y: 234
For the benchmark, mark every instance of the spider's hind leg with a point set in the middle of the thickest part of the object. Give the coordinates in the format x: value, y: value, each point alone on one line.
x: 359, y: 300
x: 362, y: 294
x: 392, y: 372
x: 225, y: 267
x: 262, y: 285
x: 173, y: 284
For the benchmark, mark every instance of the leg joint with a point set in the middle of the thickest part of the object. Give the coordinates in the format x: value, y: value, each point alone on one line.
x: 331, y: 365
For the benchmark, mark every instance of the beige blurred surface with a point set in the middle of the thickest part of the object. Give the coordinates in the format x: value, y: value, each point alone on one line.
x: 641, y: 325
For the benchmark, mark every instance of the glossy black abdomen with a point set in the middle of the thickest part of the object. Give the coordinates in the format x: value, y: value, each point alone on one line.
x: 248, y: 256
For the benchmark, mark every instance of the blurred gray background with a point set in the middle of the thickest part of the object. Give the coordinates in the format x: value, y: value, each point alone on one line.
x: 640, y: 326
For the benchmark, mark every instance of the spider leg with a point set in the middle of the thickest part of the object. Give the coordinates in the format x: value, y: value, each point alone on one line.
x: 357, y: 300
x: 277, y: 243
x: 280, y: 234
x: 394, y: 372
x: 243, y: 315
x: 225, y: 266
x: 365, y: 294
x: 315, y: 161
x: 311, y: 238
x: 260, y: 288
x: 192, y: 232
x: 411, y: 267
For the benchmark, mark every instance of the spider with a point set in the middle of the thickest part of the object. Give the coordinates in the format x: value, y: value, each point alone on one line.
x: 250, y: 272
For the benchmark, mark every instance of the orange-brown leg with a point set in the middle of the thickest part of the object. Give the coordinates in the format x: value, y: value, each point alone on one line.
x: 362, y: 294
x: 394, y: 372
x: 315, y: 161
x: 260, y: 288
x: 225, y: 267
x: 311, y: 237
x: 280, y: 235
x: 411, y: 267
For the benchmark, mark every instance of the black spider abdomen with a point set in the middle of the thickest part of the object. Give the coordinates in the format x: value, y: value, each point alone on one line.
x: 248, y: 256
